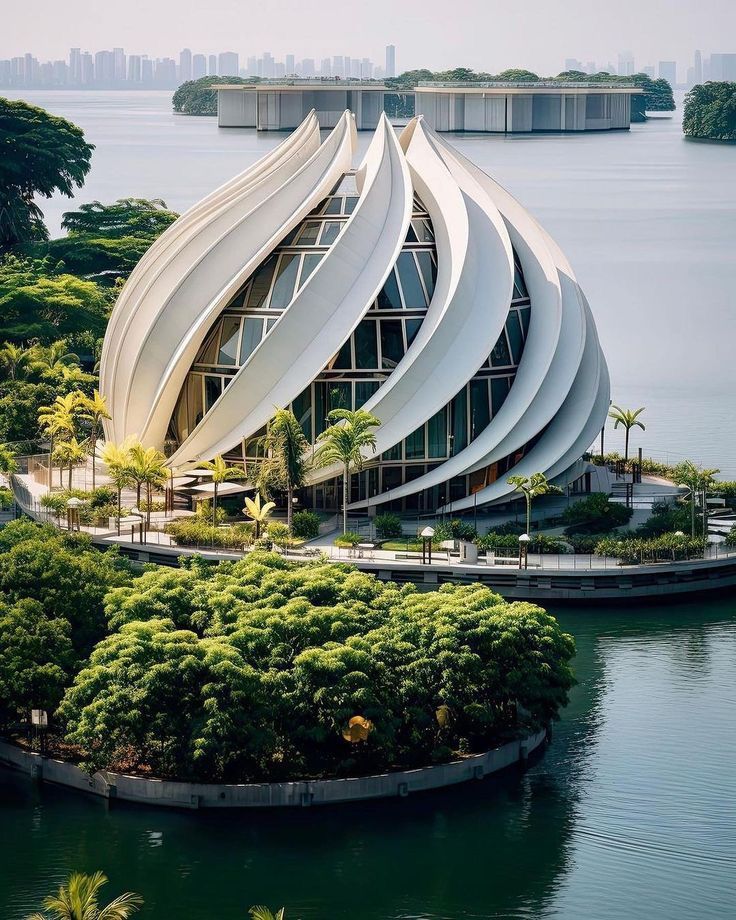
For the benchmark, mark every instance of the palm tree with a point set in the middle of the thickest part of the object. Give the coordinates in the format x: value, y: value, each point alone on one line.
x: 627, y: 418
x: 221, y: 472
x: 286, y: 464
x: 263, y: 913
x: 79, y: 900
x: 257, y: 512
x: 696, y: 479
x: 344, y: 443
x: 54, y: 359
x: 70, y: 453
x: 530, y: 487
x: 94, y: 409
x: 147, y: 467
x: 16, y: 361
x: 58, y: 419
x: 116, y: 458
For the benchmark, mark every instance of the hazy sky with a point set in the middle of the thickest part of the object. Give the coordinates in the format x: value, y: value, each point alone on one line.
x: 483, y: 34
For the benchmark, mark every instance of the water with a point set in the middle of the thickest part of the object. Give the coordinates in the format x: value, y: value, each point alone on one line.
x: 629, y: 815
x: 647, y: 218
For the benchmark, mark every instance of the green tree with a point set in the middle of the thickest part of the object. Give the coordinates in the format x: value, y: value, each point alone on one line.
x: 286, y: 448
x: 531, y: 487
x: 42, y: 155
x: 58, y: 420
x: 70, y: 453
x: 628, y: 419
x: 8, y: 462
x: 258, y: 512
x: 116, y: 458
x: 517, y: 75
x: 56, y: 360
x: 196, y: 97
x: 263, y: 913
x: 710, y: 111
x: 350, y: 433
x: 146, y: 467
x: 699, y: 481
x: 17, y: 361
x: 94, y: 409
x: 221, y: 473
x: 79, y: 898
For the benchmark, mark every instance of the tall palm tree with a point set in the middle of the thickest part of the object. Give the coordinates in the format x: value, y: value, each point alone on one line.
x: 58, y: 419
x: 257, y: 512
x: 263, y: 913
x: 697, y: 480
x: 531, y: 487
x: 147, y: 467
x: 56, y: 359
x: 70, y: 453
x: 79, y: 900
x: 350, y: 433
x: 221, y: 472
x: 628, y: 419
x: 16, y: 361
x: 116, y: 458
x: 94, y: 409
x: 286, y: 459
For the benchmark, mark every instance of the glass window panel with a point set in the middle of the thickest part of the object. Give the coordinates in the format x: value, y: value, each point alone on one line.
x: 412, y: 327
x: 283, y: 287
x: 392, y: 343
x: 414, y: 445
x: 310, y: 231
x: 499, y: 391
x: 208, y: 351
x: 364, y: 389
x: 366, y: 350
x: 460, y: 421
x: 516, y: 339
x: 414, y: 297
x: 252, y: 332
x: 388, y: 296
x: 391, y: 477
x: 437, y: 435
x: 428, y: 269
x: 341, y: 396
x: 310, y: 261
x: 288, y: 240
x: 411, y: 236
x: 500, y: 356
x: 334, y: 206
x: 393, y: 453
x: 212, y: 390
x: 519, y: 283
x: 320, y: 408
x: 269, y: 324
x: 525, y: 314
x: 480, y: 411
x: 229, y: 340
x: 343, y: 359
x: 330, y: 232
x: 261, y: 283
x: 302, y: 409
x: 239, y: 298
x: 423, y: 231
x: 350, y: 203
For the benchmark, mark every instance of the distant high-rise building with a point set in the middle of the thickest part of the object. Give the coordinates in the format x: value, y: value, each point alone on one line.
x: 135, y: 73
x: 251, y: 65
x: 668, y: 72
x: 390, y: 60
x: 88, y: 69
x: 267, y: 67
x: 573, y: 64
x: 338, y: 66
x: 723, y: 67
x: 118, y: 55
x: 185, y: 65
x: 165, y: 73
x: 626, y: 65
x: 325, y: 68
x: 279, y: 69
x: 199, y: 66
x: 308, y: 67
x: 228, y: 64
x: 146, y: 71
x: 698, y: 68
x: 648, y: 70
x: 75, y: 66
x: 366, y: 69
x: 104, y: 68
x: 289, y: 65
x: 212, y: 66
x: 355, y: 67
x: 590, y: 67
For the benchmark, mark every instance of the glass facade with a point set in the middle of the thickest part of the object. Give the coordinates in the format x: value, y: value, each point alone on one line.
x: 365, y: 360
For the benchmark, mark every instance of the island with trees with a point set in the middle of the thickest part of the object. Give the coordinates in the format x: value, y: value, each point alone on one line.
x: 710, y: 112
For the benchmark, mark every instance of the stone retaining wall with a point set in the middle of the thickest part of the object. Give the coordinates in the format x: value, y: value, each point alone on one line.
x: 259, y: 795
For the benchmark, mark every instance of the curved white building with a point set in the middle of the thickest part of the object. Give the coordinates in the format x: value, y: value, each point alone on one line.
x: 413, y: 286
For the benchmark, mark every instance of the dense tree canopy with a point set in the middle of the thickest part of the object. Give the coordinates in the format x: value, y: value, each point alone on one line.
x: 253, y: 669
x: 710, y: 112
x: 41, y: 155
x: 196, y: 97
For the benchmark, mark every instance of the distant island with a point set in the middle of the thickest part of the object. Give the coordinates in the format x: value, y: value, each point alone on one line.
x: 197, y: 97
x: 710, y: 112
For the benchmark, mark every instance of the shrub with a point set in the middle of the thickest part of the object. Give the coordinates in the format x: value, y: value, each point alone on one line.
x: 6, y: 498
x: 54, y: 501
x: 731, y: 537
x: 596, y: 514
x: 279, y: 533
x: 667, y: 518
x: 203, y: 512
x: 103, y: 496
x: 159, y: 505
x: 193, y: 532
x: 305, y: 524
x: 665, y: 548
x: 387, y: 525
x: 540, y: 543
x: 349, y: 538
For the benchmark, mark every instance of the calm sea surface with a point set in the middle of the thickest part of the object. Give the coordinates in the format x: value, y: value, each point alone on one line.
x: 631, y: 812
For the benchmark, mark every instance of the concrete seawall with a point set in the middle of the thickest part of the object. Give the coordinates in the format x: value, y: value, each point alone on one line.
x: 263, y: 795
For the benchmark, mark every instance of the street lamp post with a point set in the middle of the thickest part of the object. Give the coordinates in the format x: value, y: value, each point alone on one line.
x: 426, y: 536
x: 72, y: 513
x: 524, y: 550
